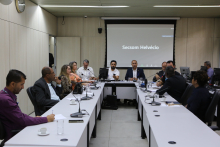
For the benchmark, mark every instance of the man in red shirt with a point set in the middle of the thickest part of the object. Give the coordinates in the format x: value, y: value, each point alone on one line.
x: 10, y: 114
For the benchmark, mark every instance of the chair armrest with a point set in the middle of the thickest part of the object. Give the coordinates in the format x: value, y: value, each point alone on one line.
x: 15, y: 131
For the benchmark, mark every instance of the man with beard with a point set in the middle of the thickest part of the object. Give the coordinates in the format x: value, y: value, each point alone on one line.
x: 113, y: 73
x: 10, y: 114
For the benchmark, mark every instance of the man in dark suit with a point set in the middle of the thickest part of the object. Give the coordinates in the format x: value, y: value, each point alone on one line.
x: 134, y: 73
x: 175, y: 84
x: 162, y: 81
x: 160, y: 73
x: 45, y: 92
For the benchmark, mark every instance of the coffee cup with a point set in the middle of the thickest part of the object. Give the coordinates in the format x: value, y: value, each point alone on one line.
x: 43, y: 130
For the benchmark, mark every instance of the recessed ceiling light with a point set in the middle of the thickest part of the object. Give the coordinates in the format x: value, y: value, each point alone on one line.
x: 202, y: 6
x: 81, y: 6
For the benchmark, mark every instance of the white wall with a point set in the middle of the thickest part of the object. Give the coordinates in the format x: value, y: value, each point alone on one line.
x: 24, y: 44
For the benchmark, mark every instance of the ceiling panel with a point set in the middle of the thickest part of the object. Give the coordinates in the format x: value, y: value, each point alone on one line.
x: 138, y: 8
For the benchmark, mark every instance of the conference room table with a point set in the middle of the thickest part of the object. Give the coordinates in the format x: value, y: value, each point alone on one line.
x: 174, y: 123
x: 162, y: 124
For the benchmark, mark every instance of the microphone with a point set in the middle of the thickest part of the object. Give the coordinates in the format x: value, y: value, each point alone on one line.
x: 153, y: 103
x: 79, y: 114
x: 86, y: 97
x: 91, y: 72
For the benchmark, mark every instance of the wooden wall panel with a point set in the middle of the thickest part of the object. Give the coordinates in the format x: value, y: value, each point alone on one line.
x: 32, y: 15
x: 33, y: 58
x: 18, y: 58
x: 217, y: 28
x: 181, y: 28
x: 3, y: 12
x: 48, y: 22
x: 92, y: 49
x: 200, y: 27
x: 68, y: 29
x: 180, y: 52
x: 4, y: 49
x: 68, y: 49
x: 216, y: 52
x: 91, y: 26
x: 199, y: 50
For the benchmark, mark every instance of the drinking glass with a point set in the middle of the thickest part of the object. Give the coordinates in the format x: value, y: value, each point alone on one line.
x: 60, y: 126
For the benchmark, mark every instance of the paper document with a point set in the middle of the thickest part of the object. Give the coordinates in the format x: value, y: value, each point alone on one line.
x: 59, y: 116
x: 72, y: 98
x: 165, y: 105
x: 153, y: 90
x: 88, y: 93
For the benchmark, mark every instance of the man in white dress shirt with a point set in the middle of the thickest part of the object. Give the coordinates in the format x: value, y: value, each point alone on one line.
x: 86, y: 72
x: 113, y: 73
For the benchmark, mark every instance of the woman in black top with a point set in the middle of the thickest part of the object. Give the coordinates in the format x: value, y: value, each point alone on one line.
x: 199, y: 101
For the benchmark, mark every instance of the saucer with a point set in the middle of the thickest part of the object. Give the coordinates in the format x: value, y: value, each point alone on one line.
x: 73, y: 104
x: 39, y: 133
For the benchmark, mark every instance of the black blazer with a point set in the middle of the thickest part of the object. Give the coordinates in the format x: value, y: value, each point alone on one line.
x: 176, y: 74
x: 198, y: 102
x: 42, y: 95
x: 160, y: 73
x: 177, y: 86
x: 140, y: 73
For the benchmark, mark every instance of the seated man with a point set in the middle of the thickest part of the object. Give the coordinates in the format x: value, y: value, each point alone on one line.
x: 113, y: 73
x: 86, y: 72
x: 162, y: 81
x: 210, y: 71
x: 175, y: 84
x: 199, y: 100
x: 160, y: 73
x: 45, y: 92
x: 134, y: 73
x: 10, y: 114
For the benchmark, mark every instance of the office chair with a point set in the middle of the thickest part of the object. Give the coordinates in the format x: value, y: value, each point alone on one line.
x: 209, y: 115
x: 187, y: 93
x: 33, y: 100
x: 3, y: 133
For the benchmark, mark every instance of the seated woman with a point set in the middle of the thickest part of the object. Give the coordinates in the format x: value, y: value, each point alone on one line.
x: 75, y: 78
x: 199, y: 101
x: 65, y: 80
x: 73, y: 66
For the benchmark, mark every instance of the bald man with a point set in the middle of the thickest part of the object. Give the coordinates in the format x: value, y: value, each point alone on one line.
x: 45, y: 92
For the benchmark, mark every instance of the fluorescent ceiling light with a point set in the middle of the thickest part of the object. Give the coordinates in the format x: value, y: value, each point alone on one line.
x: 202, y: 6
x: 81, y: 6
x: 140, y: 18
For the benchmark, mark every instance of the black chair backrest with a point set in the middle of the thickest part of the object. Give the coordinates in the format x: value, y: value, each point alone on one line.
x: 209, y: 115
x: 187, y: 93
x: 2, y: 131
x: 32, y: 98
